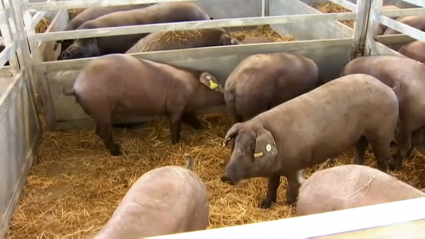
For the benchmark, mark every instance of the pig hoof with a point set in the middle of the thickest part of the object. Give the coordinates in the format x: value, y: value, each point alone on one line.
x: 290, y: 201
x: 393, y: 166
x: 266, y: 203
x: 116, y: 151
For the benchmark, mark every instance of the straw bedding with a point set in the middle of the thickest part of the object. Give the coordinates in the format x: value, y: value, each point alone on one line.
x: 75, y: 187
x: 329, y: 7
x: 74, y: 12
x: 42, y: 25
x: 260, y: 31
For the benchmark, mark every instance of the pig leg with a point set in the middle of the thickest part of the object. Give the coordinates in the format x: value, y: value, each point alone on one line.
x: 105, y: 133
x: 361, y: 146
x: 175, y: 125
x: 404, y: 144
x: 292, y: 189
x: 381, y: 150
x: 231, y: 110
x: 273, y: 184
x: 97, y: 129
x: 190, y: 119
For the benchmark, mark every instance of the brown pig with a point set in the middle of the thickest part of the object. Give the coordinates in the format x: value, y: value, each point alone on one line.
x: 350, y: 186
x: 171, y: 40
x: 119, y: 84
x: 157, y: 13
x: 91, y: 14
x: 309, y: 129
x: 414, y: 50
x: 409, y: 73
x: 262, y: 81
x: 417, y: 22
x: 163, y: 201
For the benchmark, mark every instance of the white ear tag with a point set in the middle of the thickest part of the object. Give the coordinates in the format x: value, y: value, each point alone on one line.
x: 268, y: 147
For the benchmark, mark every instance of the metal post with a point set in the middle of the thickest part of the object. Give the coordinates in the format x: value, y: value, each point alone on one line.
x: 360, y: 29
x: 23, y: 56
x: 38, y: 74
x: 374, y: 11
x: 264, y: 8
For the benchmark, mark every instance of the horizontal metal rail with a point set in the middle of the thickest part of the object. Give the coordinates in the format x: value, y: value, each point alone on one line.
x: 234, y: 22
x: 403, y: 12
x: 401, y: 27
x: 354, y: 219
x: 47, y: 6
x: 420, y: 3
x: 216, y: 51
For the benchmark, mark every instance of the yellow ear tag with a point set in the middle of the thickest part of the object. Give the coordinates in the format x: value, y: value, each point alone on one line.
x: 213, y: 85
x: 259, y: 154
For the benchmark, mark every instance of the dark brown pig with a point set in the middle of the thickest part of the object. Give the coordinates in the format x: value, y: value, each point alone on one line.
x: 157, y: 13
x: 417, y: 22
x: 91, y: 14
x: 409, y: 73
x: 171, y: 40
x: 119, y: 84
x: 350, y: 186
x: 262, y: 81
x: 309, y: 129
x: 252, y: 40
x: 414, y: 50
x: 163, y: 201
x: 382, y: 28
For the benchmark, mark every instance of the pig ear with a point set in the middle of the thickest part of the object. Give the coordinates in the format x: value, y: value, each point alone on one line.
x: 228, y: 40
x: 232, y: 133
x: 265, y: 146
x: 208, y: 80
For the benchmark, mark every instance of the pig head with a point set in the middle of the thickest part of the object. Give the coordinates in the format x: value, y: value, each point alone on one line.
x: 81, y: 48
x: 254, y: 153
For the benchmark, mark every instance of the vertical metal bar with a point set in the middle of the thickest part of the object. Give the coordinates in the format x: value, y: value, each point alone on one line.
x: 263, y: 8
x: 38, y: 73
x: 24, y: 57
x: 360, y: 29
x: 266, y: 8
x: 374, y: 11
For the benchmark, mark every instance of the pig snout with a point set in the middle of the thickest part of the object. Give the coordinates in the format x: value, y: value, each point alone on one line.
x: 65, y: 55
x: 232, y: 175
x: 228, y: 179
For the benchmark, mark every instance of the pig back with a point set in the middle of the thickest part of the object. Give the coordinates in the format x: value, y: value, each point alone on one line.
x: 157, y: 13
x: 350, y: 186
x: 93, y: 13
x: 391, y: 69
x: 125, y: 82
x: 414, y: 50
x: 315, y: 120
x: 163, y: 201
x: 171, y: 40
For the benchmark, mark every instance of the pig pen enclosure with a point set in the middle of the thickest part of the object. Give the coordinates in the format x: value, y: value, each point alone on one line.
x: 75, y: 185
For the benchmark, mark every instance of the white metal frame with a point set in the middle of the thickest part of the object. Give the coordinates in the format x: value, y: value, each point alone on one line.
x: 41, y: 68
x: 18, y: 156
x: 376, y: 44
x: 321, y: 224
